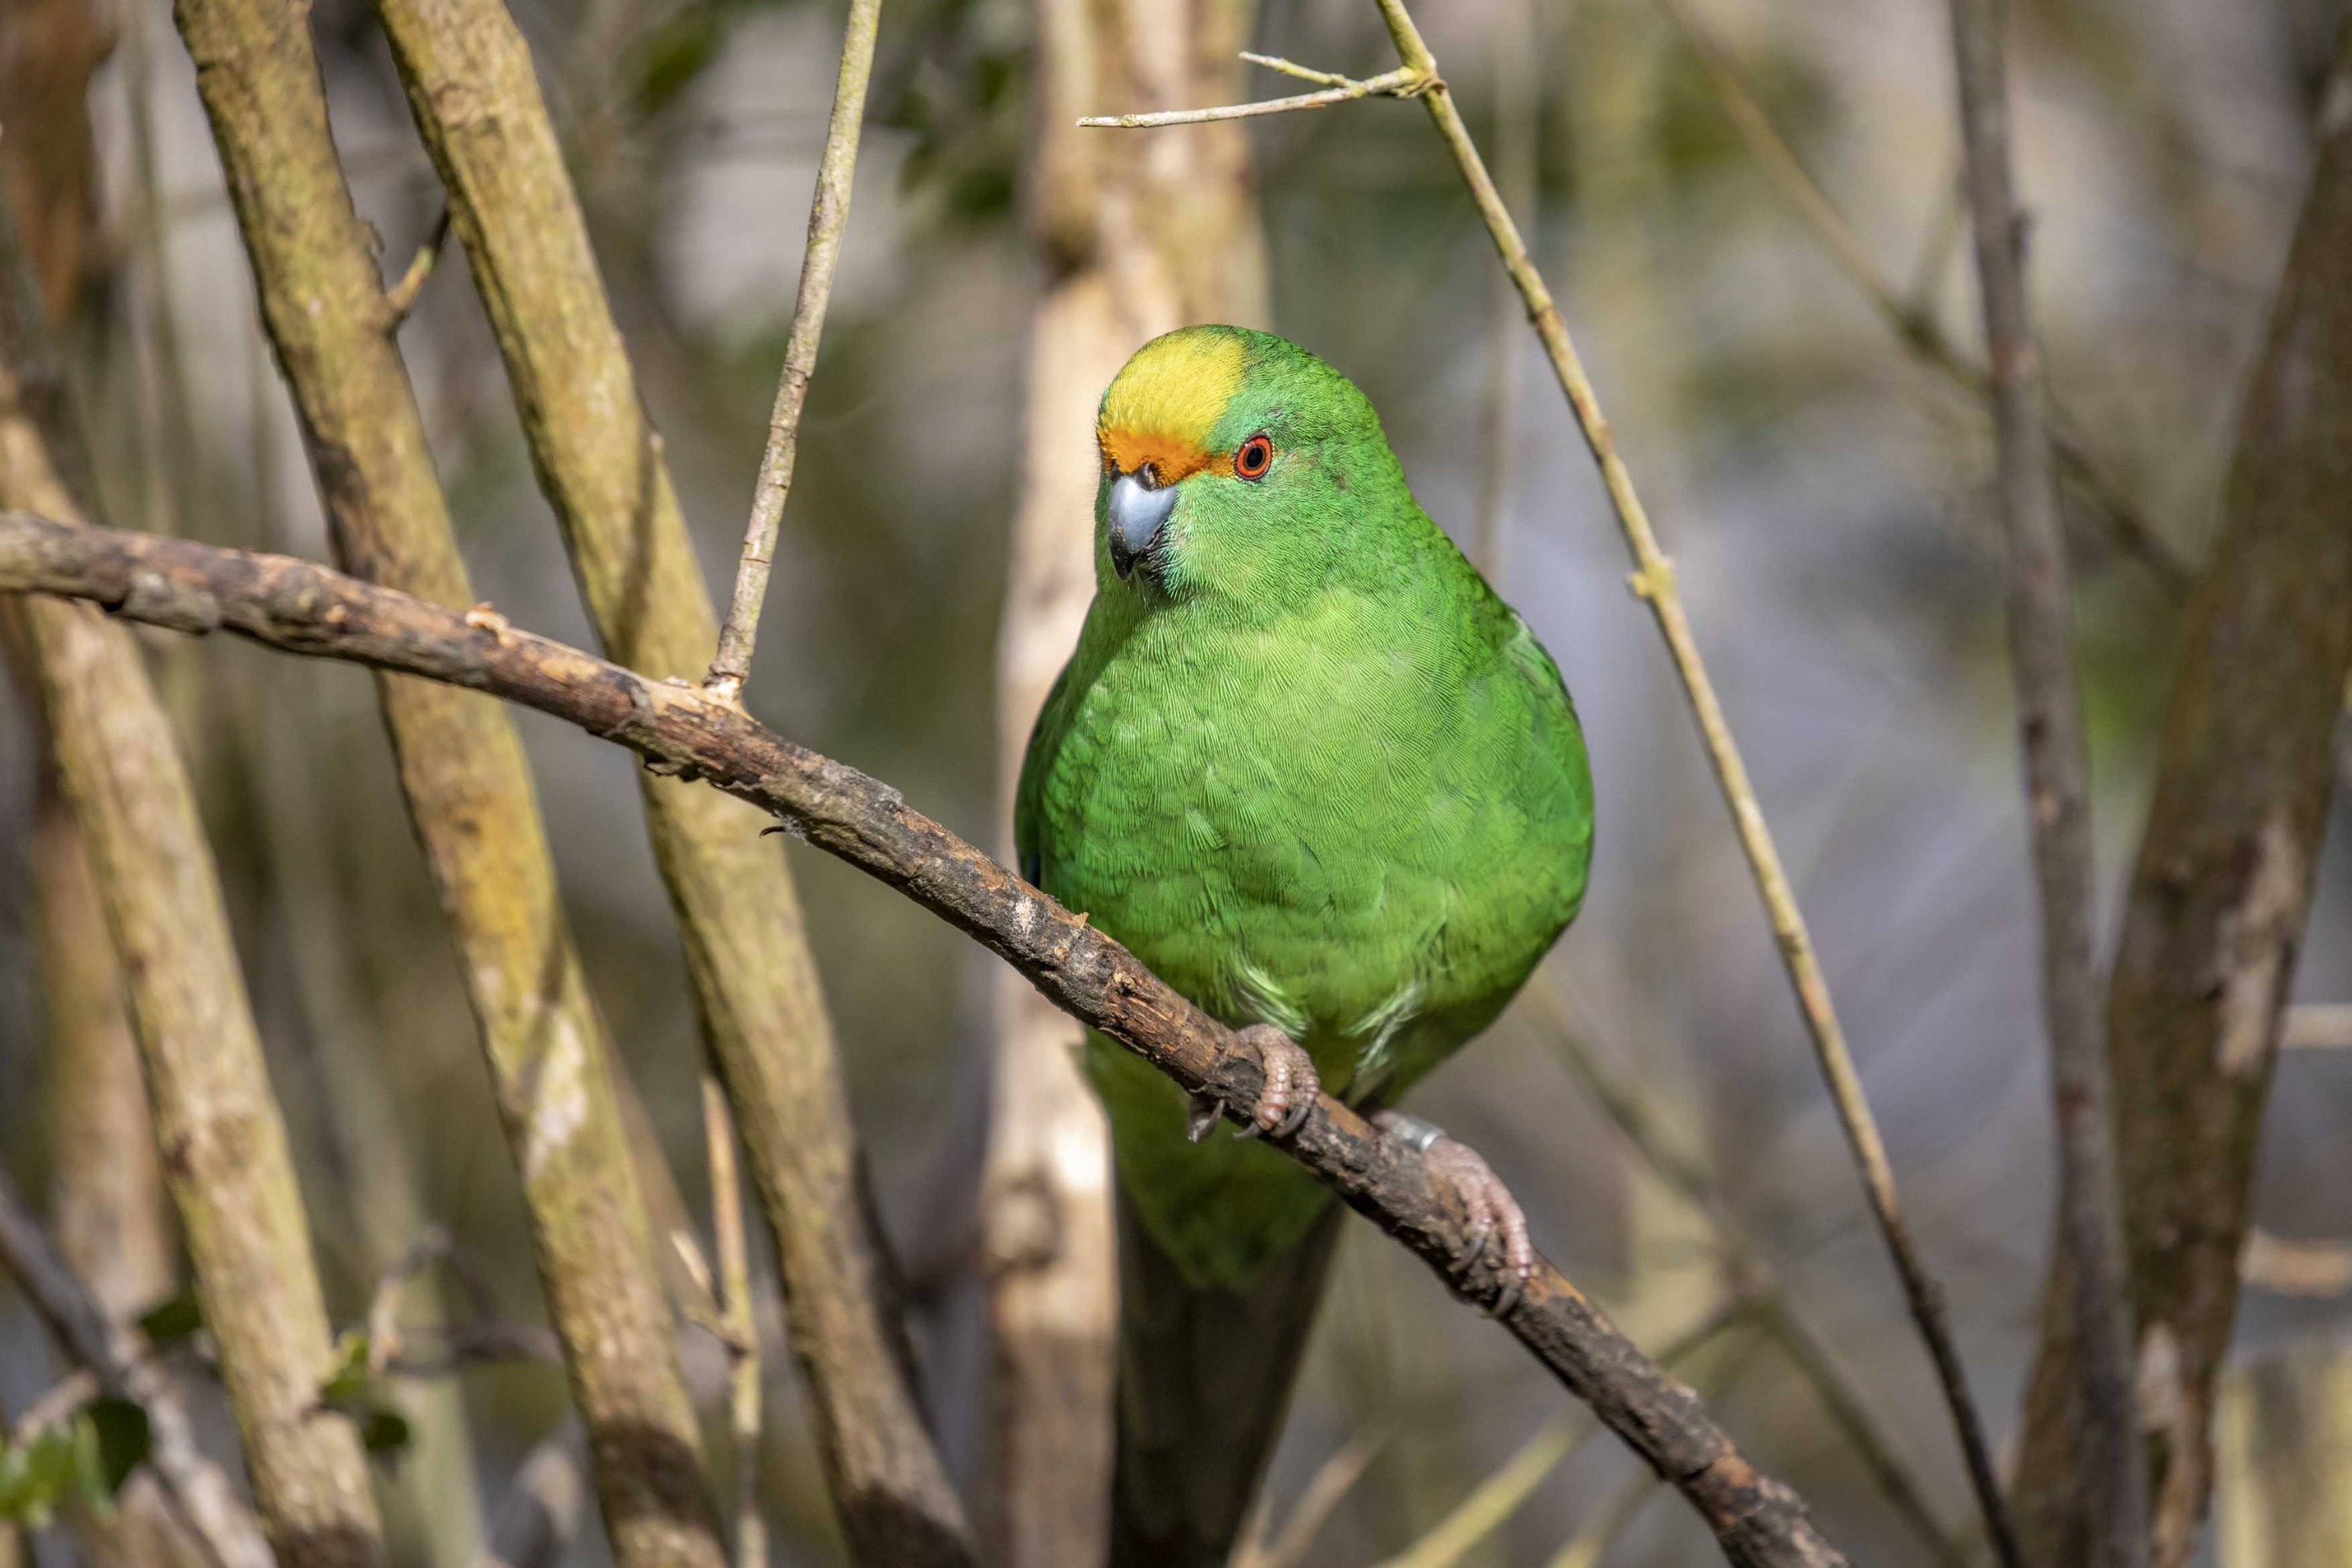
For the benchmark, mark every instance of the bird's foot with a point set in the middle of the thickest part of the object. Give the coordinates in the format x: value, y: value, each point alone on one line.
x: 1493, y: 1212
x: 1283, y: 1104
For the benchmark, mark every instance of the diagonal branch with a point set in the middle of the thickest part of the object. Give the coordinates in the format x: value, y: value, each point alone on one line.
x: 1403, y: 82
x: 2057, y: 768
x: 828, y: 220
x: 467, y: 70
x: 680, y: 729
x: 1910, y: 318
x: 200, y: 1490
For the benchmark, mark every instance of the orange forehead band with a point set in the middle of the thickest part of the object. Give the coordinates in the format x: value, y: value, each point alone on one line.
x: 1172, y: 457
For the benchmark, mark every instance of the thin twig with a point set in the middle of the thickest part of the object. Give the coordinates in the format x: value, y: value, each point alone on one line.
x: 400, y: 297
x: 1393, y: 84
x: 115, y: 1357
x: 735, y: 1306
x: 828, y: 219
x: 2319, y: 1026
x: 1630, y: 1110
x: 1325, y: 1490
x: 683, y: 731
x: 2057, y: 767
x: 1912, y: 318
x: 2286, y: 1267
x: 1584, y: 1549
x: 1653, y: 582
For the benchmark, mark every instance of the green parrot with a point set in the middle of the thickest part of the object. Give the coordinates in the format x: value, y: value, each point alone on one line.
x: 1309, y: 768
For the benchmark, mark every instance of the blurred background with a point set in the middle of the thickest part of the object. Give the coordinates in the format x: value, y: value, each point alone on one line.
x: 1651, y: 1100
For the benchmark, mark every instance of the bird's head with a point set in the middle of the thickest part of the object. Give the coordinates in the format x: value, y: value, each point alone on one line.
x: 1234, y: 462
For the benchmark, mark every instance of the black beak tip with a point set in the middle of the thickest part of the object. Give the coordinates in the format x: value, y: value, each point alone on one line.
x: 1122, y: 559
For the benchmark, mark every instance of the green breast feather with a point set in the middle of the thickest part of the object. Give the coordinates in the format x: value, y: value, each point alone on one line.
x: 1304, y: 763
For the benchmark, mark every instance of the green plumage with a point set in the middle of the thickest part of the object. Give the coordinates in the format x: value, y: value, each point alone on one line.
x: 1306, y: 765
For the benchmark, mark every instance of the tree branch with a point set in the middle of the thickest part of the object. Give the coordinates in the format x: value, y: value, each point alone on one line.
x: 2109, y: 1458
x: 1653, y: 582
x: 2221, y: 894
x: 681, y: 731
x: 218, y: 1126
x: 828, y: 220
x: 1911, y: 318
x: 201, y: 1490
x: 1405, y: 82
x: 466, y: 781
x: 467, y: 73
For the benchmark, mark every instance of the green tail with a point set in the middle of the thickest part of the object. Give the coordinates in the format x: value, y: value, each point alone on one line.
x: 1204, y: 1379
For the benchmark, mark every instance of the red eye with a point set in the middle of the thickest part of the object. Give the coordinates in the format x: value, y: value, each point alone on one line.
x: 1255, y: 457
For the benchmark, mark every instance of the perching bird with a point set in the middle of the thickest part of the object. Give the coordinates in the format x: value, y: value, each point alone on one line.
x: 1311, y: 770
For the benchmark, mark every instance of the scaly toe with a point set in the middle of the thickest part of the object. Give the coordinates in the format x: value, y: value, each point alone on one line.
x: 1291, y: 1085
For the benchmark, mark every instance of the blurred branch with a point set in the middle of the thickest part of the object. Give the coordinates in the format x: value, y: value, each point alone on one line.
x: 202, y: 1492
x: 680, y: 729
x: 1912, y: 317
x: 467, y: 783
x: 1402, y: 83
x: 1630, y: 1110
x: 735, y: 1304
x: 478, y: 104
x: 2319, y: 1026
x: 828, y: 220
x: 539, y: 1515
x: 1585, y: 1548
x: 400, y: 297
x: 218, y: 1123
x: 1325, y: 1491
x: 2109, y: 1464
x: 1653, y: 582
x: 2288, y: 1267
x: 2221, y: 891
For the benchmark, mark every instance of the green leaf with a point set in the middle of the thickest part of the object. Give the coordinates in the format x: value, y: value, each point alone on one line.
x: 383, y: 1430
x: 122, y: 1439
x: 348, y: 1378
x: 171, y: 1322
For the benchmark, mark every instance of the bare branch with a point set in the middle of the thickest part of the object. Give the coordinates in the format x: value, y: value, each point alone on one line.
x: 1653, y: 582
x: 1403, y: 83
x: 471, y: 87
x: 2110, y: 1459
x: 217, y: 1122
x: 465, y: 779
x: 828, y: 219
x: 1911, y: 317
x: 743, y: 1327
x: 2221, y: 895
x: 682, y: 731
x: 115, y: 1358
x: 400, y: 297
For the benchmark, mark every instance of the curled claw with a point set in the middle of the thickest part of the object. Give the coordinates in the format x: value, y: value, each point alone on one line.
x: 1291, y: 1084
x: 1492, y: 1211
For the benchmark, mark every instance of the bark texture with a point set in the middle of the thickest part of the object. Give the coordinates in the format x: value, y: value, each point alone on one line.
x: 221, y: 1136
x: 2222, y: 886
x: 463, y: 772
x: 1138, y: 236
x: 680, y: 730
x: 470, y: 80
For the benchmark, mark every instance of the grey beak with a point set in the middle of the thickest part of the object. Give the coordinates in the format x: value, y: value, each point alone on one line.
x: 1137, y: 511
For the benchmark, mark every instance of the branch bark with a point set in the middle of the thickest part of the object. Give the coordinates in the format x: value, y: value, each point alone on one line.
x: 828, y: 222
x: 468, y: 77
x: 94, y: 1340
x: 679, y: 730
x: 2107, y: 1458
x: 468, y: 786
x: 1653, y: 582
x: 222, y: 1137
x: 2221, y: 891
